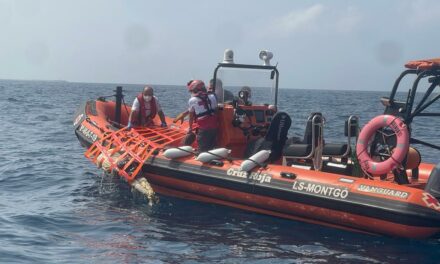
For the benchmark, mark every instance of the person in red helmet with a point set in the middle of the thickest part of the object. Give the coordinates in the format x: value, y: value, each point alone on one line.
x: 144, y: 109
x: 202, y: 108
x: 180, y: 117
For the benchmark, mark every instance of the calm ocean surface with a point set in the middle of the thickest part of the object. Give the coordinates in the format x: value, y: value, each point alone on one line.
x: 57, y: 207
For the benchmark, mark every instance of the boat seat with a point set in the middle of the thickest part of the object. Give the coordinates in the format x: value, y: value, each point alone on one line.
x: 275, y: 138
x: 310, y: 148
x: 335, y: 149
x: 295, y: 148
x: 343, y: 150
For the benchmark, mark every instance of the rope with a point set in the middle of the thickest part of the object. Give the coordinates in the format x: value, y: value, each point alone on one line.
x: 218, y: 156
x: 261, y: 165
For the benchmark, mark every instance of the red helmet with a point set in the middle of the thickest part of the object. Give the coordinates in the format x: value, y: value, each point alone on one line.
x: 196, y: 86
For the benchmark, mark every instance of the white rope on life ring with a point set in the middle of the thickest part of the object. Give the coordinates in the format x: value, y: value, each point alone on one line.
x: 399, y: 152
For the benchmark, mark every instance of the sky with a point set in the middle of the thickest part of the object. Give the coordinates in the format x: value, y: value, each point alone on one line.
x: 349, y: 45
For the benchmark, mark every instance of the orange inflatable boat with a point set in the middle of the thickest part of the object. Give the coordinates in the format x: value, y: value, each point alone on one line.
x: 384, y: 188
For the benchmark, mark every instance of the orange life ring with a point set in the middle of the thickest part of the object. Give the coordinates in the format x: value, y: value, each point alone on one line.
x: 398, y: 153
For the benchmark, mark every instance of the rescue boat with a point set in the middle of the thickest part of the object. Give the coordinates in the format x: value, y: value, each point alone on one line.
x: 373, y: 183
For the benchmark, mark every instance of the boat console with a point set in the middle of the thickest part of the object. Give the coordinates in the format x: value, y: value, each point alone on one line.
x: 240, y: 124
x: 240, y: 119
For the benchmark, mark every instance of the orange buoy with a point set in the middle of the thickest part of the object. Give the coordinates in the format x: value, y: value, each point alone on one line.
x: 398, y: 154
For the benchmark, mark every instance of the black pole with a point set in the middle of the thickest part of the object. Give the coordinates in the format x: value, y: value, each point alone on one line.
x: 118, y: 104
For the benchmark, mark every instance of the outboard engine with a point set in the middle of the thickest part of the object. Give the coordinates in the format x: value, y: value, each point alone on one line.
x: 277, y: 133
x: 275, y: 138
x: 433, y: 185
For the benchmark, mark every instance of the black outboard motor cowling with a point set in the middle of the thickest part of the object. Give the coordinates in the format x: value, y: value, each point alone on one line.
x: 275, y: 138
x: 277, y: 133
x: 433, y: 185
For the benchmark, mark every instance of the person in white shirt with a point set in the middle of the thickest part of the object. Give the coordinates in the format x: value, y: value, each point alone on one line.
x: 202, y: 108
x: 144, y: 109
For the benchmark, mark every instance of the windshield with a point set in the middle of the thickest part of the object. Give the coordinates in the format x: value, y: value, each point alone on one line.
x: 258, y: 84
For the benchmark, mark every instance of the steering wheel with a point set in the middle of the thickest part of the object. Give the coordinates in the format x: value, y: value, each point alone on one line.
x: 242, y: 120
x: 382, y: 146
x: 384, y: 142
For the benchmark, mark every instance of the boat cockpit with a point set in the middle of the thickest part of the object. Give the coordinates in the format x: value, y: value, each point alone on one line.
x: 250, y: 121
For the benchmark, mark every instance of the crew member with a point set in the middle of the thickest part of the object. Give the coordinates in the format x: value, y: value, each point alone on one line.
x: 180, y: 117
x: 221, y: 95
x: 144, y: 109
x: 202, y: 111
x: 244, y: 95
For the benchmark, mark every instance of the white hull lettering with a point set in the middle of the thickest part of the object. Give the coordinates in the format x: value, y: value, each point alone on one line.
x: 87, y: 133
x: 320, y: 189
x: 383, y: 191
x: 259, y: 177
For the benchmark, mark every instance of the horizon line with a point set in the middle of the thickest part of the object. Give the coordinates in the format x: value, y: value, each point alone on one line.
x: 121, y: 84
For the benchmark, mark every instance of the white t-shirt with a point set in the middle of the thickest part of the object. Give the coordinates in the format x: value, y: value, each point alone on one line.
x: 136, y: 106
x: 196, y: 104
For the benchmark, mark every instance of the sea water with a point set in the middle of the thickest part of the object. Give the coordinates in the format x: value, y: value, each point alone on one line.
x: 57, y: 207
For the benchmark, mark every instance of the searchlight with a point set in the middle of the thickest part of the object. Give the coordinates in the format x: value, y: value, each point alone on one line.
x: 266, y: 56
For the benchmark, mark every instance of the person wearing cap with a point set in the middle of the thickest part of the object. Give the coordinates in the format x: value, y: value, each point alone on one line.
x: 202, y: 108
x: 144, y: 109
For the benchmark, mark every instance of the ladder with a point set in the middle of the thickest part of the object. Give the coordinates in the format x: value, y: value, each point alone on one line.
x: 133, y: 148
